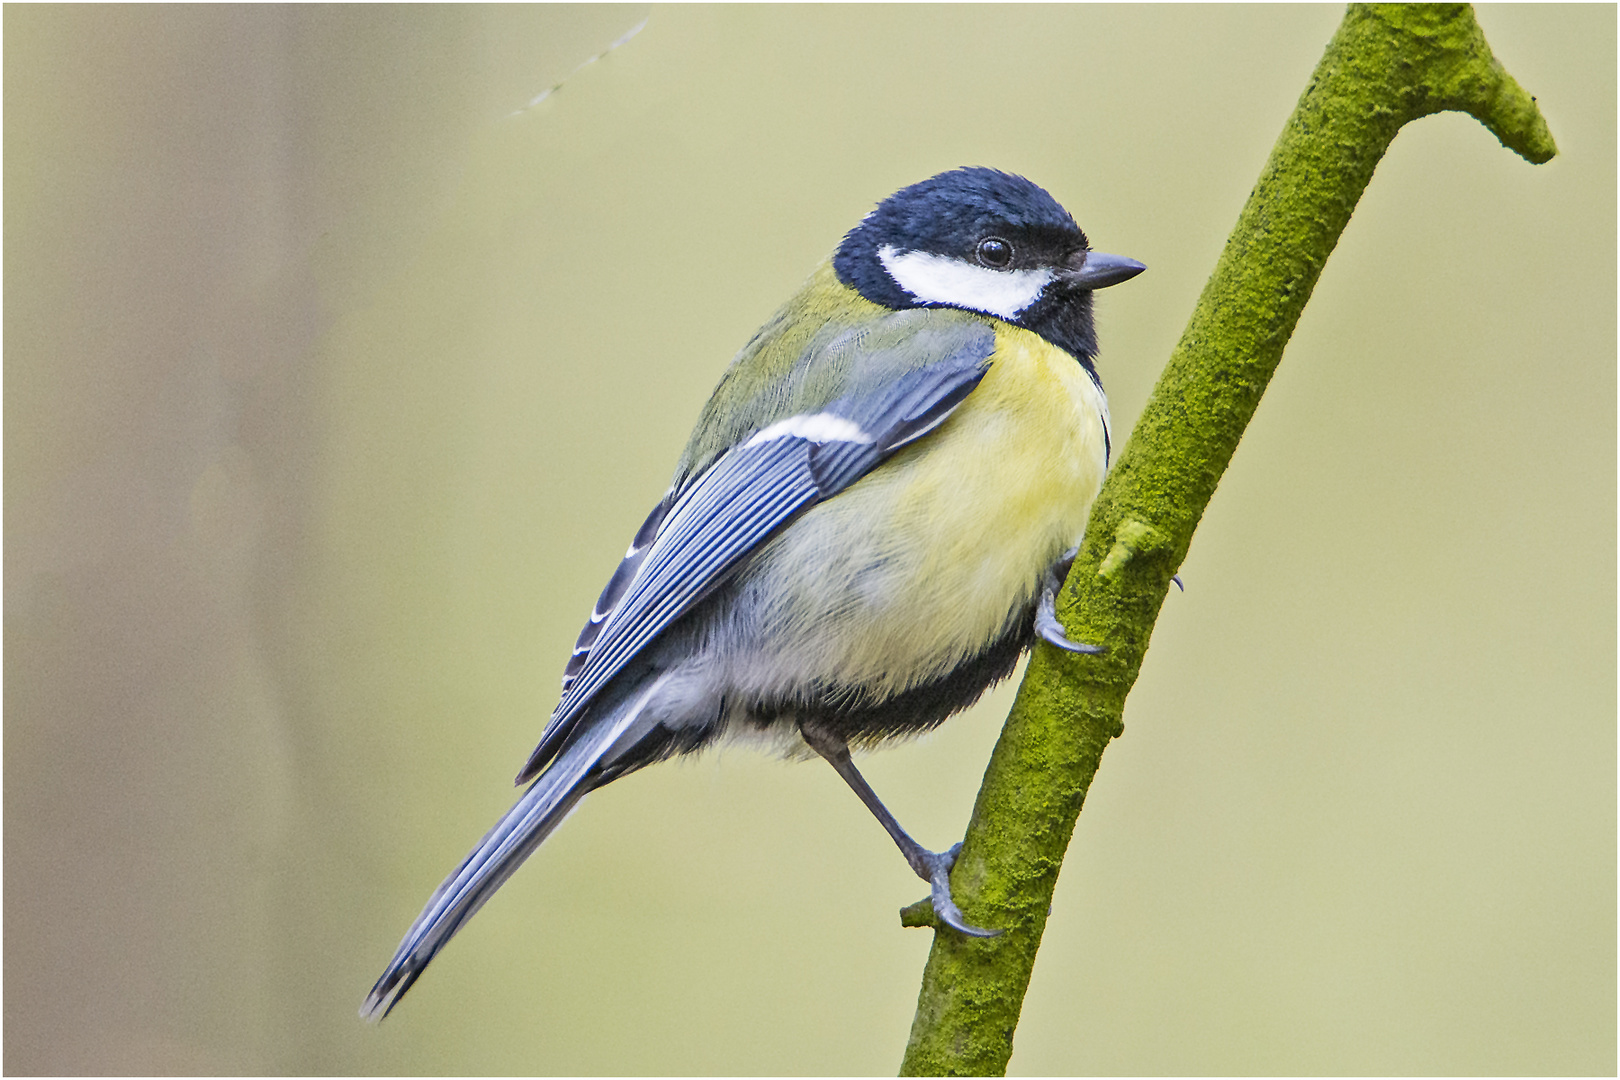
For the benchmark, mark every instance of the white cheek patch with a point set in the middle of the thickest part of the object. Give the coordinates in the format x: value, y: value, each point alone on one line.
x: 816, y: 428
x: 940, y: 279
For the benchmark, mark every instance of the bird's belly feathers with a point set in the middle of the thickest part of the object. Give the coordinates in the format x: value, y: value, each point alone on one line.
x: 849, y: 601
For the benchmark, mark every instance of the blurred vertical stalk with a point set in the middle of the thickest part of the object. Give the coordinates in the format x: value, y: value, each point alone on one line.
x: 1386, y: 66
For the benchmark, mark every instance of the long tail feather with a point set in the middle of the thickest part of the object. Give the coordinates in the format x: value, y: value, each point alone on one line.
x: 540, y: 810
x: 502, y: 850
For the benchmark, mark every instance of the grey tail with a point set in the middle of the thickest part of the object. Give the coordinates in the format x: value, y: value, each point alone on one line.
x: 541, y: 809
x: 571, y: 776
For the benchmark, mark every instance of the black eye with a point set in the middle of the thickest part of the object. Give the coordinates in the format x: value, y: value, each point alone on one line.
x: 995, y: 252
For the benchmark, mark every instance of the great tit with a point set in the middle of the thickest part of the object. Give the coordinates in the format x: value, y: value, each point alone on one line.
x: 865, y: 531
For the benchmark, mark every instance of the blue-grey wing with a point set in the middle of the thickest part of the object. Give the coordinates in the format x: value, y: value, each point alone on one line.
x: 698, y: 536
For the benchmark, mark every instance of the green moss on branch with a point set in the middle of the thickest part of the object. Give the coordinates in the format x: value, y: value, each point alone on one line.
x: 1386, y: 66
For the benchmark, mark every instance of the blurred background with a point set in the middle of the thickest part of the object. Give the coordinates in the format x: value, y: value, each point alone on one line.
x: 336, y: 379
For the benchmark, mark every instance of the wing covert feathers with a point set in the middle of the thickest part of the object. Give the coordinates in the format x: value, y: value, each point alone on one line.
x: 697, y: 536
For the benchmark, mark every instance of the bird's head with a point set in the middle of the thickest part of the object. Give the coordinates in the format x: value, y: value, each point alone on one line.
x: 984, y: 241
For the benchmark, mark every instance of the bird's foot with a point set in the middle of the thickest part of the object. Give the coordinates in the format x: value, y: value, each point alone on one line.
x: 936, y: 870
x: 933, y: 867
x: 1047, y: 627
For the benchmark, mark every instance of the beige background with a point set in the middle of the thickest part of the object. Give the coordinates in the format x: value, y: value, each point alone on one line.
x: 333, y: 391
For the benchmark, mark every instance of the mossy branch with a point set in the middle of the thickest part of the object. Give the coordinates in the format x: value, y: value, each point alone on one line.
x: 1386, y: 66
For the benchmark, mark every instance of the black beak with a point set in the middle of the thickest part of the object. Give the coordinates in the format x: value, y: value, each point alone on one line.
x: 1095, y: 270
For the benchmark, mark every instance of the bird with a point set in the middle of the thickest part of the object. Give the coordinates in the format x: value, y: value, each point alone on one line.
x: 866, y: 529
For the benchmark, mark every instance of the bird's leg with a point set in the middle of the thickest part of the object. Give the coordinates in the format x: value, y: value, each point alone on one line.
x: 1047, y: 627
x: 933, y: 867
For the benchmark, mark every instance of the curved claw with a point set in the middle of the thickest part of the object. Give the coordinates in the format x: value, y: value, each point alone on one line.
x: 1048, y: 629
x: 939, y: 881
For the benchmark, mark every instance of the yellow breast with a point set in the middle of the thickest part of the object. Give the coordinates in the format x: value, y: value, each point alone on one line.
x: 927, y: 559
